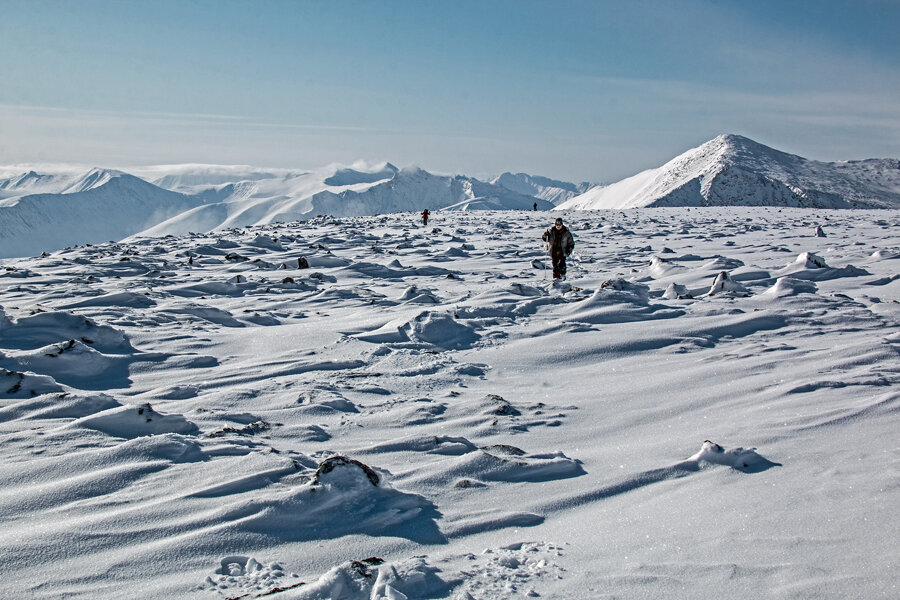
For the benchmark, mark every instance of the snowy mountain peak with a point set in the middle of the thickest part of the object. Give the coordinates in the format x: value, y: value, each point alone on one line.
x: 353, y: 176
x: 26, y: 180
x: 58, y: 182
x: 186, y: 177
x: 94, y: 178
x: 97, y: 206
x: 734, y: 140
x: 552, y: 190
x: 737, y: 148
x: 732, y: 170
x: 38, y: 212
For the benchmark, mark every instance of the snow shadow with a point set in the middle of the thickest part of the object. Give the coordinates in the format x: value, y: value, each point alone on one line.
x: 745, y: 460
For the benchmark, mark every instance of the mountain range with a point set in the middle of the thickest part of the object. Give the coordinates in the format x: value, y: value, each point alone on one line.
x: 56, y: 207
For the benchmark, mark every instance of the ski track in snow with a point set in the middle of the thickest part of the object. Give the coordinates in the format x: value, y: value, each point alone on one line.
x: 170, y: 409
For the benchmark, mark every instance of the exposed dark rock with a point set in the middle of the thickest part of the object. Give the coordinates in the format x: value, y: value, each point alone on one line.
x: 330, y: 464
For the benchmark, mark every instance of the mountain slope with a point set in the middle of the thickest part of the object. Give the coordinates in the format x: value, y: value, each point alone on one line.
x: 342, y: 192
x: 732, y: 170
x: 415, y: 189
x: 96, y: 207
x: 551, y: 190
x: 48, y: 211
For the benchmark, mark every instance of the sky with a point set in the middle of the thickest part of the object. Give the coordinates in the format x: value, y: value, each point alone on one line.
x: 575, y: 90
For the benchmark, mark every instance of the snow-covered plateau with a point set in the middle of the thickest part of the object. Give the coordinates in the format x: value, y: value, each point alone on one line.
x: 363, y: 407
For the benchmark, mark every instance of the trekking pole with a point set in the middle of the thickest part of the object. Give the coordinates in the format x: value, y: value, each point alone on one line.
x: 546, y: 248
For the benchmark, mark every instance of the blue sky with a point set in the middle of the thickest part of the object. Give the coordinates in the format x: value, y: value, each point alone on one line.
x: 578, y: 90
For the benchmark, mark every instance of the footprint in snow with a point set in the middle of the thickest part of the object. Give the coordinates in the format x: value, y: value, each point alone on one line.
x: 245, y: 577
x: 515, y: 570
x: 364, y: 579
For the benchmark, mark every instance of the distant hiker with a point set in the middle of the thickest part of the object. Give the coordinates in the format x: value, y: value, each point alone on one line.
x: 560, y: 243
x: 534, y: 207
x: 425, y: 214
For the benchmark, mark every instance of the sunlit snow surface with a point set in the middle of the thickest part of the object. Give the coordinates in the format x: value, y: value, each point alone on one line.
x: 706, y: 408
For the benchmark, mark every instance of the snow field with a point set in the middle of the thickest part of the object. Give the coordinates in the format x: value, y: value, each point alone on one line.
x: 704, y: 408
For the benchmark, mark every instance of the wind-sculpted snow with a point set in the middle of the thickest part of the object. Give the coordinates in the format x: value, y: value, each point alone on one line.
x: 72, y: 362
x: 48, y: 405
x: 16, y: 384
x: 32, y: 330
x: 813, y: 268
x: 349, y: 498
x: 135, y: 421
x: 429, y: 328
x: 618, y: 301
x: 789, y: 286
x: 365, y: 407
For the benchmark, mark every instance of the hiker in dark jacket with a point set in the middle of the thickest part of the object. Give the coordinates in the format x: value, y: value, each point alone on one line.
x: 425, y: 214
x: 560, y: 242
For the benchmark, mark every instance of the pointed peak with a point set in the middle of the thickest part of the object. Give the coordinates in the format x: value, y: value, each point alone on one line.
x: 733, y: 138
x: 737, y: 142
x: 97, y: 177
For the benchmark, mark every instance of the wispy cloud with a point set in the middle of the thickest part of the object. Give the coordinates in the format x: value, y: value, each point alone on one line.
x: 82, y: 117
